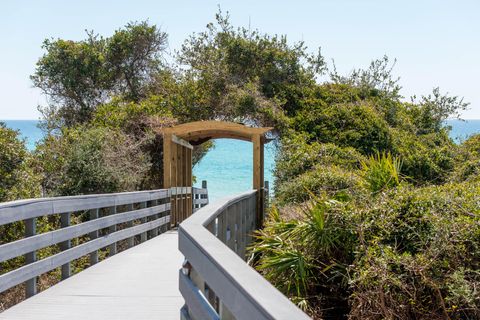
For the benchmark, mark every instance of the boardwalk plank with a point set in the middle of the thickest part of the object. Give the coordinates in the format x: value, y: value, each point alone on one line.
x: 139, y: 283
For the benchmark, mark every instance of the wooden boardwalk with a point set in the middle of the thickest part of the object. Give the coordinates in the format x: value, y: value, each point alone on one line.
x: 140, y: 283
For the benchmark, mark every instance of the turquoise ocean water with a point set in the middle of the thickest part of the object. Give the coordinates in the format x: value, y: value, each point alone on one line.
x: 228, y: 167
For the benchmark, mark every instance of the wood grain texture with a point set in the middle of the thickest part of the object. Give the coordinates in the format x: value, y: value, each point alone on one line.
x: 32, y: 208
x: 17, y: 276
x: 137, y: 284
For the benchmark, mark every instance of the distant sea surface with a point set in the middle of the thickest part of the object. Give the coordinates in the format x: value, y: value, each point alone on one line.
x: 228, y: 167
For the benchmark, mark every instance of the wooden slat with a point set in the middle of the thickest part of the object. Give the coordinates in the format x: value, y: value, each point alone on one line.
x: 200, y: 201
x: 181, y: 142
x: 33, y: 208
x: 37, y: 268
x: 33, y: 243
x: 195, y: 300
x: 200, y: 191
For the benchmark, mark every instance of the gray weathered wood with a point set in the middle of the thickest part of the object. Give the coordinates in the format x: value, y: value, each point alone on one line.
x: 32, y: 208
x: 30, y: 256
x: 112, y: 248
x: 197, y: 303
x: 136, y: 284
x: 143, y: 235
x: 65, y: 245
x: 130, y: 241
x: 34, y: 269
x: 93, y: 235
x: 244, y: 292
x: 30, y: 244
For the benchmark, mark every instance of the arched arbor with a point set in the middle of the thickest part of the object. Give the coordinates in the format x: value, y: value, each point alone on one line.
x: 178, y: 142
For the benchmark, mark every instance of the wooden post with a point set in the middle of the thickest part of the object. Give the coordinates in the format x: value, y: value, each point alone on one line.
x: 94, y: 235
x: 167, y: 160
x: 267, y: 195
x: 65, y: 245
x: 174, y: 184
x: 180, y: 183
x: 189, y: 183
x: 111, y: 229
x: 31, y: 230
x: 131, y: 240
x: 258, y: 176
x: 154, y: 203
x: 204, y: 196
x: 143, y: 235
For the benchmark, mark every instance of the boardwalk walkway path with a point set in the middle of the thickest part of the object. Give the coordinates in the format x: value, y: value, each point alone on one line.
x: 140, y: 283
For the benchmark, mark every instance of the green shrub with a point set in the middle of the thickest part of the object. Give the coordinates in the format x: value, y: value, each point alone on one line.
x: 295, y: 156
x: 427, y: 158
x: 332, y: 180
x: 306, y: 256
x: 419, y: 255
x: 91, y: 160
x: 381, y: 171
x: 408, y: 253
x: 467, y: 161
x: 17, y: 180
x: 356, y: 125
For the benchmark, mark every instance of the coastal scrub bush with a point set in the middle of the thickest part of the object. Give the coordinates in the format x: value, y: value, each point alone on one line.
x: 356, y: 125
x: 408, y: 253
x: 428, y: 158
x: 17, y: 180
x: 295, y: 156
x: 381, y: 171
x: 91, y: 160
x: 331, y: 180
x: 468, y: 160
x: 307, y: 256
x: 419, y: 255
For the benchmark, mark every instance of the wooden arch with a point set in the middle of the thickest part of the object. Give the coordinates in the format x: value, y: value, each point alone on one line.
x: 178, y: 142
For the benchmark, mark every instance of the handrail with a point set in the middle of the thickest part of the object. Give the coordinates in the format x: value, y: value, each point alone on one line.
x: 33, y: 208
x: 216, y: 282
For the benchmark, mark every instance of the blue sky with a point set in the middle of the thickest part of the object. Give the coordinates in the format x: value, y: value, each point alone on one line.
x: 436, y: 43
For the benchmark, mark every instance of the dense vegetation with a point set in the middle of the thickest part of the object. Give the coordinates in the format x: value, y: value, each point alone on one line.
x: 376, y: 211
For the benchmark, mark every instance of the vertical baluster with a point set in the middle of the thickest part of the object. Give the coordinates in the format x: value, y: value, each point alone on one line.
x: 230, y: 214
x: 162, y: 228
x: 204, y: 196
x: 267, y: 195
x: 113, y: 247
x: 65, y: 245
x: 143, y: 235
x: 131, y: 240
x: 243, y: 229
x: 238, y: 227
x: 155, y: 217
x: 221, y: 227
x: 168, y: 213
x: 94, y: 235
x: 31, y: 230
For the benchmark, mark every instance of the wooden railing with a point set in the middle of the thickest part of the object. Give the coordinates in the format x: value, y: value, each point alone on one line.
x: 215, y: 280
x: 200, y: 196
x: 142, y: 214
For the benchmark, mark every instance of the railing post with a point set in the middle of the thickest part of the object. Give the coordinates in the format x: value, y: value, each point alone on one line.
x: 204, y: 196
x: 65, y: 245
x: 94, y: 235
x: 113, y: 247
x: 143, y: 235
x: 30, y: 230
x: 267, y: 195
x: 131, y: 240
